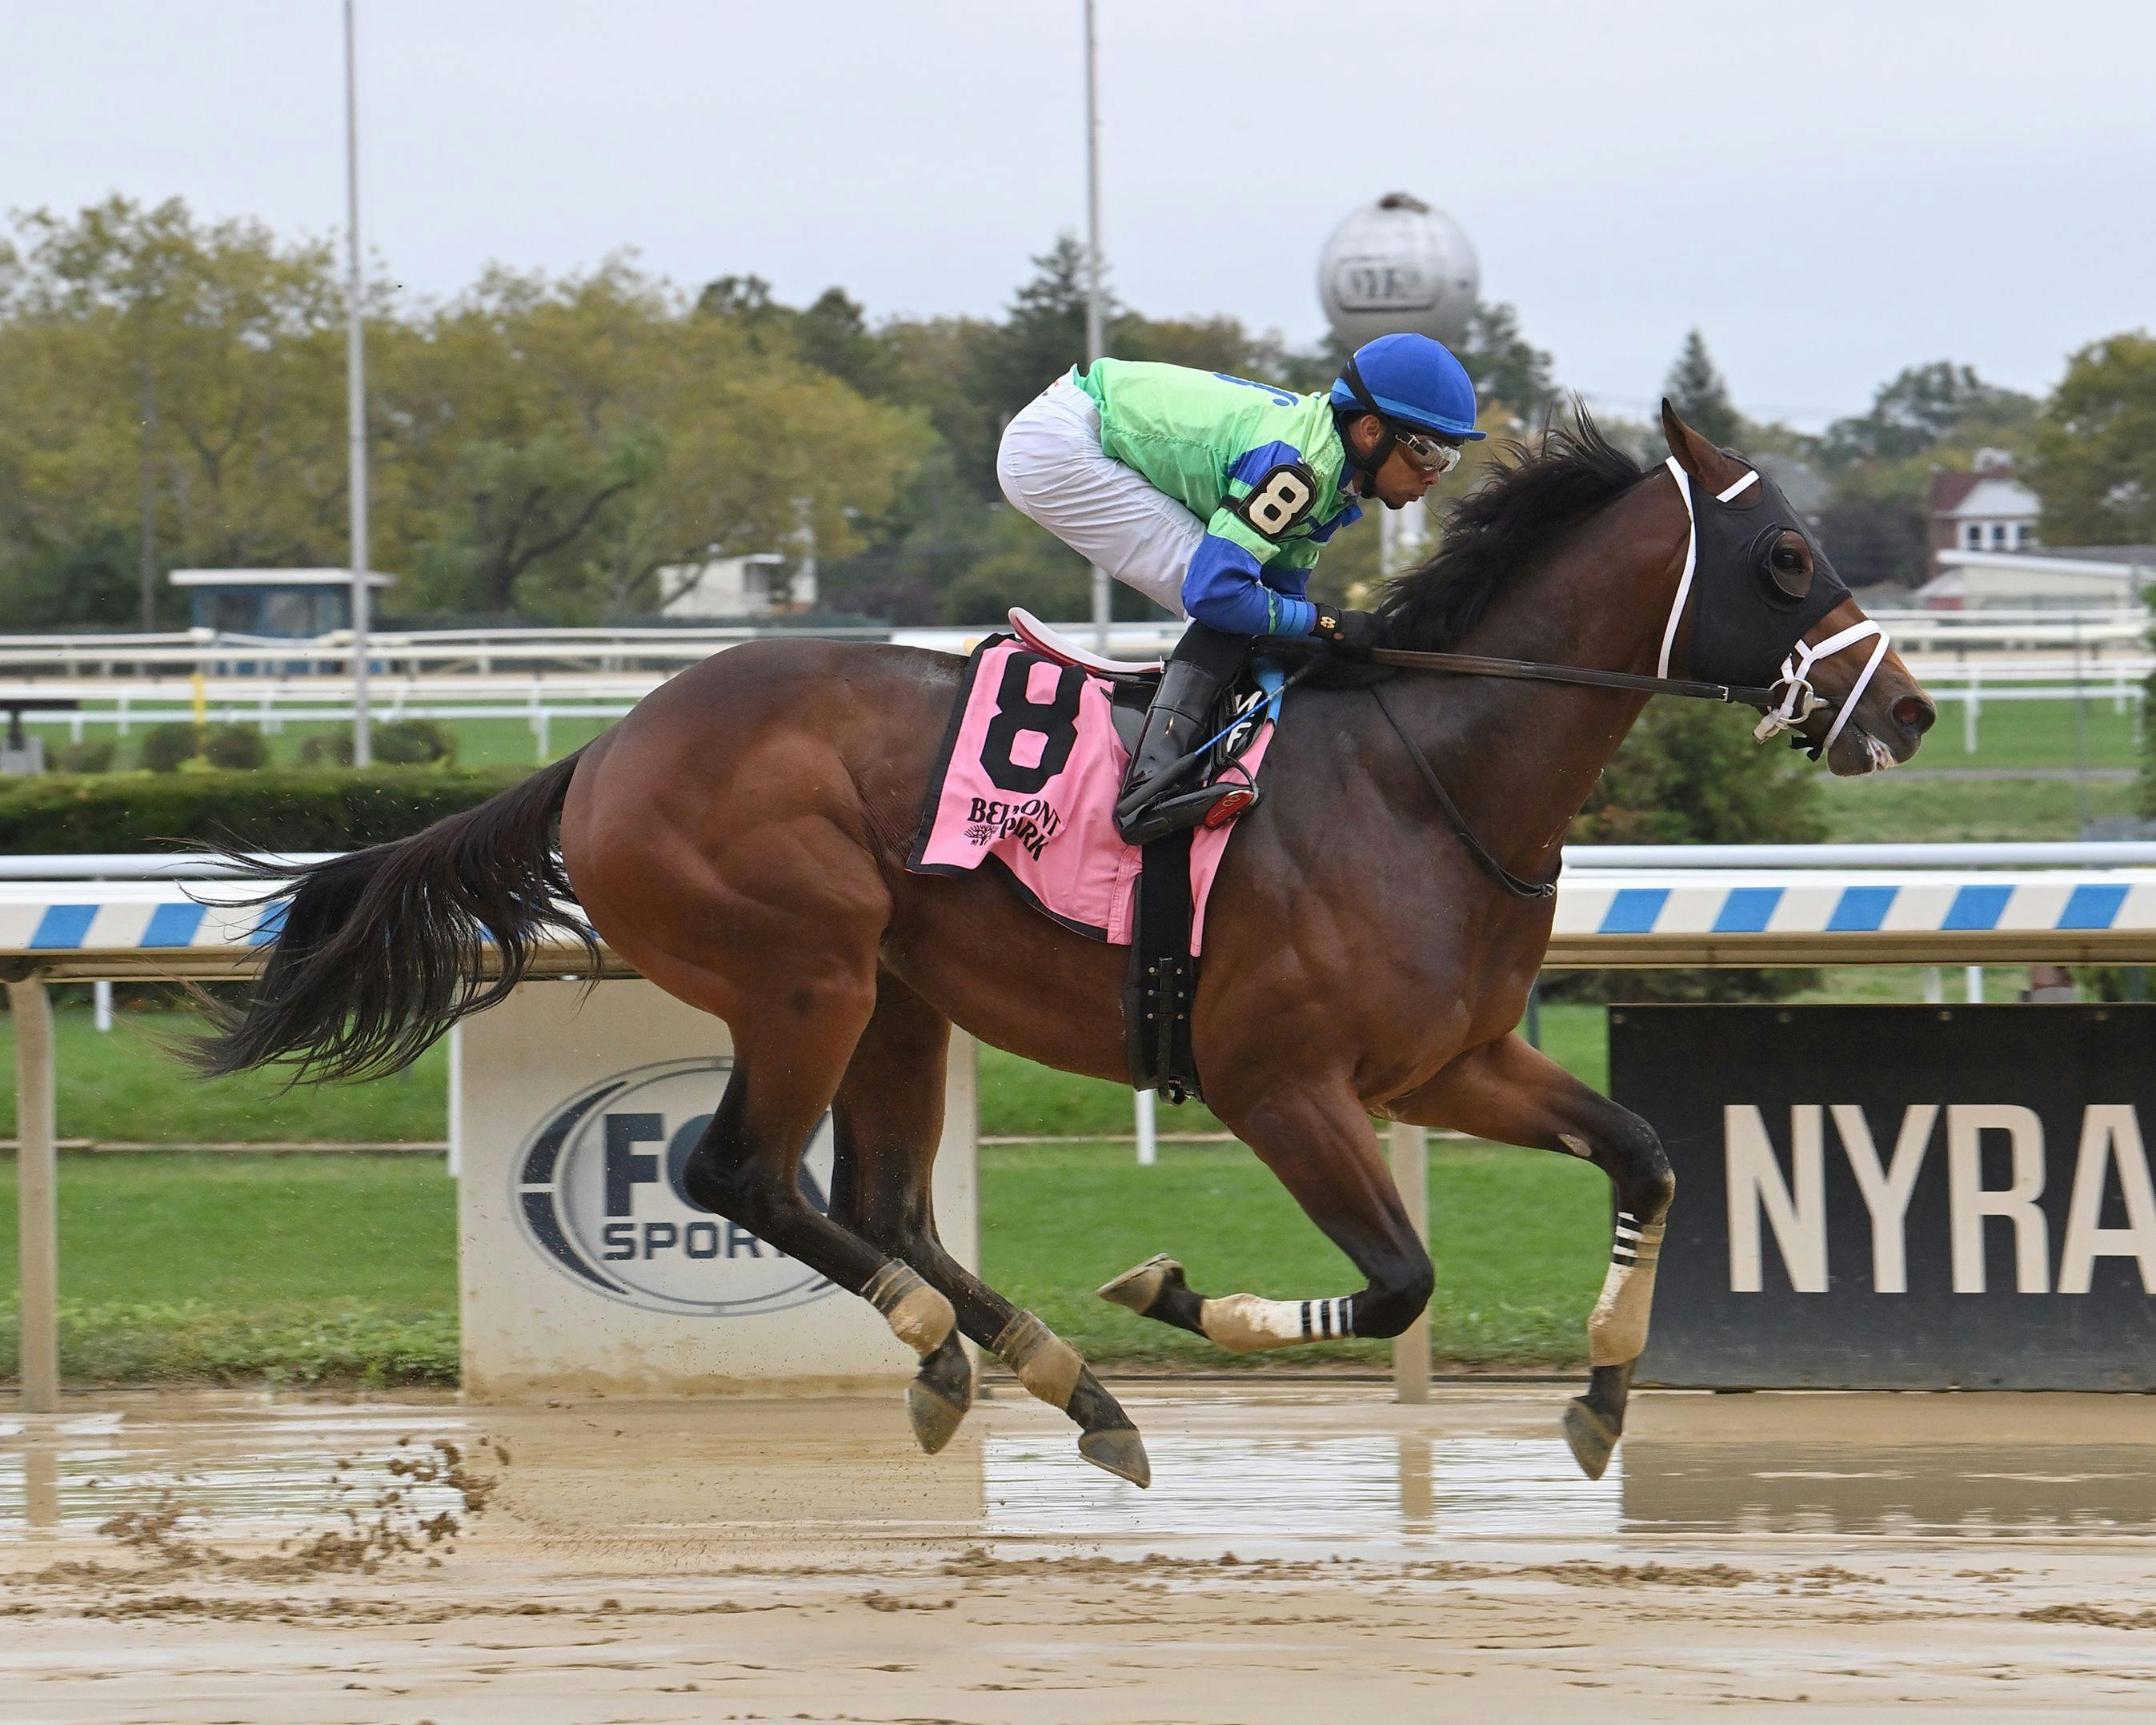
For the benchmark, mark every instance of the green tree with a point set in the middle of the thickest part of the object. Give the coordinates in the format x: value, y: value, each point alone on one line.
x: 561, y: 441
x: 182, y: 377
x: 1696, y: 390
x: 1924, y: 406
x: 2095, y: 464
x: 1512, y: 378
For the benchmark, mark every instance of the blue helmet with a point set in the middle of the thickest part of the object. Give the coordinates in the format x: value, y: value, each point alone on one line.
x: 1411, y: 381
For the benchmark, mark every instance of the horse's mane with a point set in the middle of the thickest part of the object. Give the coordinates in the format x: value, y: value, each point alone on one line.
x: 1531, y: 499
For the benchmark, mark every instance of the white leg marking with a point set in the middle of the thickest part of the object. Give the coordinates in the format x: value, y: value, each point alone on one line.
x: 1617, y: 1327
x: 1244, y: 1323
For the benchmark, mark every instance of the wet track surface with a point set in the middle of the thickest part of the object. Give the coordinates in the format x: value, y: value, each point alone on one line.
x: 243, y: 1557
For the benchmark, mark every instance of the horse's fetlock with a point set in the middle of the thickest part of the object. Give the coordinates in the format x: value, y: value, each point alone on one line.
x: 919, y: 1316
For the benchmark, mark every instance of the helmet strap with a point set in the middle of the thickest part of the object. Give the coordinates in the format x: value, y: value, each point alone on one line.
x: 1380, y: 452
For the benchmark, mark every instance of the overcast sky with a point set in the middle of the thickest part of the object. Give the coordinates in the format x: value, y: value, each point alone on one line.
x: 1829, y: 191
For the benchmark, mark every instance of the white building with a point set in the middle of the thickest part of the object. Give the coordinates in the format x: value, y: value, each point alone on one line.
x: 2087, y: 578
x: 1984, y: 509
x: 761, y: 585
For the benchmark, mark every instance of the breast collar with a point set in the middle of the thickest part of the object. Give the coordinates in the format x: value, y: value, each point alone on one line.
x: 1796, y: 701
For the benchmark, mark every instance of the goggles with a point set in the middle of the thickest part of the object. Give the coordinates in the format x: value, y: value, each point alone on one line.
x: 1430, y: 454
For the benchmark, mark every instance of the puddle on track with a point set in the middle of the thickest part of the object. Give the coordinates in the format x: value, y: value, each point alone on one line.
x: 1308, y: 1473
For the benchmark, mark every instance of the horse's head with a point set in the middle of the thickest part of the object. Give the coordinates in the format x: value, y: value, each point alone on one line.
x: 1758, y: 603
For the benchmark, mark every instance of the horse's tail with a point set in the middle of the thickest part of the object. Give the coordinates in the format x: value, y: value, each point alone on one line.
x: 382, y: 950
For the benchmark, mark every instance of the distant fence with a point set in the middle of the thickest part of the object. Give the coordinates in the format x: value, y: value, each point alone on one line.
x: 2097, y: 635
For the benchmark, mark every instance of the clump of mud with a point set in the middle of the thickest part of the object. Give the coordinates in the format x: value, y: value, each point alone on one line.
x: 2098, y: 1616
x: 376, y: 1507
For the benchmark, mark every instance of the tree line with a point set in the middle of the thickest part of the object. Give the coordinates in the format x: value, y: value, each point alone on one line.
x: 550, y: 447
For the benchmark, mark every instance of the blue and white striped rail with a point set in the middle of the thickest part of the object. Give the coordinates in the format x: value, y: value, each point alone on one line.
x: 1605, y: 918
x: 1711, y: 917
x: 75, y: 930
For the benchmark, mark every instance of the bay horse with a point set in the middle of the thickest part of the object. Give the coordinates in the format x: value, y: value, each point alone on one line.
x: 742, y: 837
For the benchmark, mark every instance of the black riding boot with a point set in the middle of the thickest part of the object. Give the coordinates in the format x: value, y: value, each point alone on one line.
x: 1150, y: 807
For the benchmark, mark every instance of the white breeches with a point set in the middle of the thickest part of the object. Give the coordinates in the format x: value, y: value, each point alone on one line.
x: 1050, y: 467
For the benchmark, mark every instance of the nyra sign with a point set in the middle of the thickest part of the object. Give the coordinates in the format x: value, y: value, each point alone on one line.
x: 598, y: 1193
x: 1902, y: 1197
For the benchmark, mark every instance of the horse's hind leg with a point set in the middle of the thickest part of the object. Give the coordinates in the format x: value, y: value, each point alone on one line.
x: 792, y: 1041
x: 889, y: 1112
x: 1516, y: 1094
x: 1317, y: 1141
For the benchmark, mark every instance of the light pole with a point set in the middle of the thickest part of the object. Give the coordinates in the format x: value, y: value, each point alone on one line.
x: 354, y: 350
x: 1093, y: 338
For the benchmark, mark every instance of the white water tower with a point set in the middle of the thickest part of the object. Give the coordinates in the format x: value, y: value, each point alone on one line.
x: 1398, y: 265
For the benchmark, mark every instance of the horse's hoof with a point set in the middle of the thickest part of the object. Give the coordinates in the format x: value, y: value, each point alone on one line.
x: 940, y: 1394
x: 1592, y: 1438
x: 1121, y: 1451
x: 1136, y: 1290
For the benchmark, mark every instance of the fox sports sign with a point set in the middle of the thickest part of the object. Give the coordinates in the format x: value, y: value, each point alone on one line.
x: 598, y: 1192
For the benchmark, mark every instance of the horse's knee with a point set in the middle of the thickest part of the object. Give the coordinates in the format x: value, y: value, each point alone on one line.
x: 1389, y: 1305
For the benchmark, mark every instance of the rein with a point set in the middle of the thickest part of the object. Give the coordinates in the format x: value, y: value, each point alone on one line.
x: 1512, y: 883
x: 1478, y: 664
x: 1786, y: 704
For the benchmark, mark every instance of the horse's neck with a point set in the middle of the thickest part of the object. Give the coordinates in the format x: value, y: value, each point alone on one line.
x: 1519, y: 756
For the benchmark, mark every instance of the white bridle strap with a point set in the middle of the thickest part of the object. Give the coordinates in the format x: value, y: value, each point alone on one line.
x: 1691, y: 555
x: 1692, y: 560
x: 1798, y: 700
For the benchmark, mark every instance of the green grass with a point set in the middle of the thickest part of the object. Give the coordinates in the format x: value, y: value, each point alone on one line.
x: 1884, y: 807
x: 123, y: 1087
x: 2035, y: 733
x: 1518, y: 1237
x: 481, y: 743
x: 179, y: 1267
x: 240, y: 1267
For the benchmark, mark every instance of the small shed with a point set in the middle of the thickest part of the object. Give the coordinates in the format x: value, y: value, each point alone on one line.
x: 280, y: 603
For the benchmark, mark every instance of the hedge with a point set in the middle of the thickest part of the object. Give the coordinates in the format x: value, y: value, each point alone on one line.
x: 288, y: 809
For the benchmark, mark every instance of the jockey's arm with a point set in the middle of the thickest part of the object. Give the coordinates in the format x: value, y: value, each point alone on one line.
x: 1269, y: 491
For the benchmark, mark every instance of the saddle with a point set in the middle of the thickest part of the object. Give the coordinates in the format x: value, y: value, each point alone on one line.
x: 1160, y: 984
x: 1132, y: 683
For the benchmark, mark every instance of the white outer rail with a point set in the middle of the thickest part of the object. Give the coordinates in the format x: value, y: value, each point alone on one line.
x: 2101, y: 854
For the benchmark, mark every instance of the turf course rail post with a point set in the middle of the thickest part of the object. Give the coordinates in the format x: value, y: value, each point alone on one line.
x: 1409, y: 1147
x: 36, y: 1184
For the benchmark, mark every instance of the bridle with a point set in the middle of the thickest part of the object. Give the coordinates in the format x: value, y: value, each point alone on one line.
x: 1791, y: 699
x: 1785, y: 704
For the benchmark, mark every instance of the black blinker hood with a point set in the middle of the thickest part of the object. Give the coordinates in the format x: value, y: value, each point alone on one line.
x: 1742, y: 625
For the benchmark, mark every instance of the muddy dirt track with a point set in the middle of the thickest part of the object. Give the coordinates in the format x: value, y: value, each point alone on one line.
x: 1310, y: 1553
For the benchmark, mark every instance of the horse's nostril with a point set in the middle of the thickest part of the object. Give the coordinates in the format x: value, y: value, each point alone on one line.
x: 1916, y: 713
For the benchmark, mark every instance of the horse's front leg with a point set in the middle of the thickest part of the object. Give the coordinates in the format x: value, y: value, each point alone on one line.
x: 1319, y: 1143
x: 1516, y: 1094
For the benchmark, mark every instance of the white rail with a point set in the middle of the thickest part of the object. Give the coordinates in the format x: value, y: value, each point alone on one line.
x: 1628, y: 859
x: 2095, y: 632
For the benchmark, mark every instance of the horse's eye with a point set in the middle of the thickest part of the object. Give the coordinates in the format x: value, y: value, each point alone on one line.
x: 1788, y: 566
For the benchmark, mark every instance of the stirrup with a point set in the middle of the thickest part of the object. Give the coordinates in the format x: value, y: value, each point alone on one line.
x: 1211, y: 805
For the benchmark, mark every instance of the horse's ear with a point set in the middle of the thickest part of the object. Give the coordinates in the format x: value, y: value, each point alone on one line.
x: 1693, y: 452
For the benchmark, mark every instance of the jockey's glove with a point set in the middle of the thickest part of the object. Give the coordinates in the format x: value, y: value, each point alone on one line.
x: 1353, y: 634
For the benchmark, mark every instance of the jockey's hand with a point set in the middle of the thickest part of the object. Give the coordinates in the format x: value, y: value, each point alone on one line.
x: 1351, y: 634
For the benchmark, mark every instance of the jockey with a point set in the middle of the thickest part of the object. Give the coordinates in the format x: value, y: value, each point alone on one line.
x: 1212, y: 496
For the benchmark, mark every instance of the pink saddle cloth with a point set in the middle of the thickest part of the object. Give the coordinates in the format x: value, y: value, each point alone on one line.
x: 1031, y: 769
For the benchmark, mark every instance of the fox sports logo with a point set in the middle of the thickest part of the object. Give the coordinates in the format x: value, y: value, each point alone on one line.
x: 598, y: 1192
